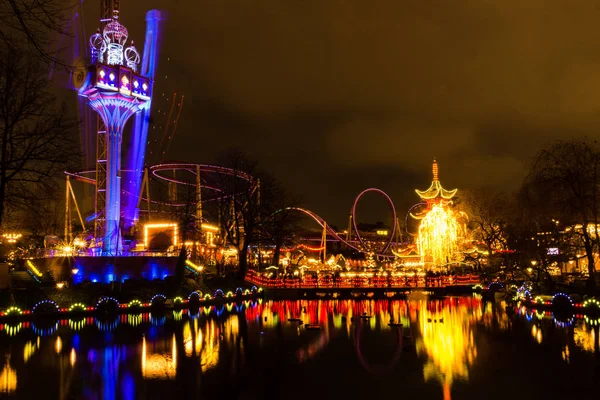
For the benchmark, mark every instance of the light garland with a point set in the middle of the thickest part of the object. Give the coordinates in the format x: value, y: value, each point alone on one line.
x: 591, y: 303
x: 13, y: 311
x: 39, y: 303
x: 77, y: 306
x: 107, y: 300
x: 158, y: 296
x: 195, y: 292
x: 80, y: 307
x: 135, y: 303
x: 561, y: 295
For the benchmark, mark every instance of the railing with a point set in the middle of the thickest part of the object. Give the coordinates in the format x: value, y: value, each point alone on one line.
x: 97, y: 252
x: 313, y: 282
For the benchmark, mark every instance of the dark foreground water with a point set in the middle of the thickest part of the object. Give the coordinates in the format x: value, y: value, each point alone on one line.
x: 457, y: 348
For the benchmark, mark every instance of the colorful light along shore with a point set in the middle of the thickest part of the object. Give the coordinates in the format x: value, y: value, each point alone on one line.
x: 77, y: 308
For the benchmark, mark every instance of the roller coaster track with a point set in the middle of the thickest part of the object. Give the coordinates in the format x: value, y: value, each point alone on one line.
x: 330, y: 231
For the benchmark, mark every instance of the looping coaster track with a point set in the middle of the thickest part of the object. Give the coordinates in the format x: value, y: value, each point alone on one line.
x: 359, y: 245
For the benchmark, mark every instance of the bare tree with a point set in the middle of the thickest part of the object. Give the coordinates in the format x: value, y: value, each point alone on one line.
x: 488, y: 214
x: 33, y: 22
x: 38, y: 140
x: 563, y: 184
x: 281, y: 224
x: 241, y: 203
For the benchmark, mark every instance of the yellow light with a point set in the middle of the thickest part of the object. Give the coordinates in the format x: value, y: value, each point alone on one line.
x: 12, y: 237
x: 439, y: 232
x: 194, y: 266
x: 8, y: 379
x: 450, y: 345
x: 58, y: 344
x: 382, y: 233
x: 160, y: 364
x: 172, y: 225
x: 72, y: 357
x: 29, y: 350
x: 33, y: 268
x: 208, y: 227
x: 60, y: 285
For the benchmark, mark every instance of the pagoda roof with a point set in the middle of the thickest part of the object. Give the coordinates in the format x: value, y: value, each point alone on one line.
x: 436, y: 190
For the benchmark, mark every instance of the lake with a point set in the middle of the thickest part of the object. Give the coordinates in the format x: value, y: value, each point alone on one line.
x: 451, y: 348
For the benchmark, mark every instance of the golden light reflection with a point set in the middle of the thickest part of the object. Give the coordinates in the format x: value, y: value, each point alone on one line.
x: 537, y: 334
x: 584, y: 338
x: 499, y: 317
x: 210, y: 350
x: 159, y: 365
x: 12, y: 330
x: 8, y: 378
x: 58, y: 345
x: 72, y: 357
x: 29, y: 350
x: 134, y: 319
x: 447, y: 339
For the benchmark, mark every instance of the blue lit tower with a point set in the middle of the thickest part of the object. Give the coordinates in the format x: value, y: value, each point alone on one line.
x: 116, y: 90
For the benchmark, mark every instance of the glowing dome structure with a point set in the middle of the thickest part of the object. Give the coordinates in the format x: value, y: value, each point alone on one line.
x: 439, y: 230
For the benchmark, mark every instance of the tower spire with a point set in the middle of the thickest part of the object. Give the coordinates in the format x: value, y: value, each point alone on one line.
x: 435, y: 170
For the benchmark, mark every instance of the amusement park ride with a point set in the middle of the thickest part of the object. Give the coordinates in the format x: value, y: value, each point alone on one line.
x: 118, y: 85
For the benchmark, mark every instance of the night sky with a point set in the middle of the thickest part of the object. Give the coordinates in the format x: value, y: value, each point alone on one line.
x: 336, y: 96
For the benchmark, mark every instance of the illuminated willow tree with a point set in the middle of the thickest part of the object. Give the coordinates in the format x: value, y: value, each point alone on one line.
x: 440, y: 229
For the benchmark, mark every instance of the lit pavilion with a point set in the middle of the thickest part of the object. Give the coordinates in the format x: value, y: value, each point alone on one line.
x: 439, y: 230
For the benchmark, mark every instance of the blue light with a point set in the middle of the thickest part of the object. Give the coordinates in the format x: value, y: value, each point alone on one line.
x: 127, y: 387
x: 76, y: 341
x: 139, y: 137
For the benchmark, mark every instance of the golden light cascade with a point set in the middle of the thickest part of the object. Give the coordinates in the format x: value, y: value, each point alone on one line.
x: 159, y: 365
x: 439, y: 232
x: 448, y: 343
x: 8, y: 379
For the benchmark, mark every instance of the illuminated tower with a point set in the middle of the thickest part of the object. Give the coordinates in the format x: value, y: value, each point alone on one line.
x: 439, y: 229
x: 116, y: 91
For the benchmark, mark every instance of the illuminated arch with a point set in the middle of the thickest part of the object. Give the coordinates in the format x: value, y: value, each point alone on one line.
x: 107, y: 301
x: 45, y: 303
x: 158, y: 299
x: 195, y: 296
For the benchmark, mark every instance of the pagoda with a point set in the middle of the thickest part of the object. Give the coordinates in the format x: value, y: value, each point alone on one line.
x: 436, y: 194
x: 439, y: 230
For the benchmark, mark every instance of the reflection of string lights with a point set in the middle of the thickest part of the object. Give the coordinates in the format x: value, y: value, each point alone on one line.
x: 8, y: 378
x: 12, y: 330
x: 584, y: 338
x: 450, y: 345
x: 536, y: 333
x: 159, y: 365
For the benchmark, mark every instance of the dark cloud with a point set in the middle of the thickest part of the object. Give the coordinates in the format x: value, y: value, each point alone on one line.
x: 339, y: 95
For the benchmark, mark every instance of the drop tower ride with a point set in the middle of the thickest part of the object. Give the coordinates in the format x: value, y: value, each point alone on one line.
x: 117, y: 88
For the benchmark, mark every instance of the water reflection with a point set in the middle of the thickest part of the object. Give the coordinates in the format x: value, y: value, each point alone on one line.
x: 447, y: 339
x: 8, y: 378
x: 242, y: 345
x: 160, y: 361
